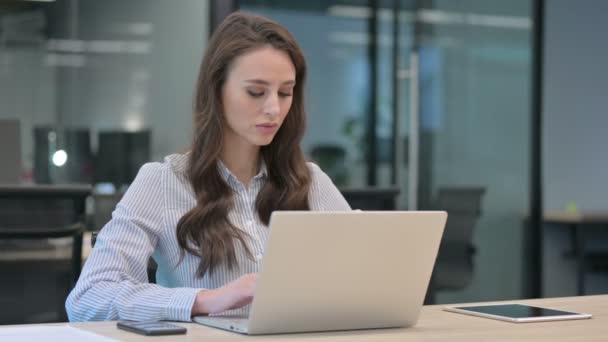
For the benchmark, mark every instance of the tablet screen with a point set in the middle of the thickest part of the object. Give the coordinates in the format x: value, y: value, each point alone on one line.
x: 515, y: 311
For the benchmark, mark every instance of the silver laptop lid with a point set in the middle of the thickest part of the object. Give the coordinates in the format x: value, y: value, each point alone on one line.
x: 345, y: 270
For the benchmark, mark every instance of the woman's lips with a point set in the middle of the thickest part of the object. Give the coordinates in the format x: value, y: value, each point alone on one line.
x: 267, y: 128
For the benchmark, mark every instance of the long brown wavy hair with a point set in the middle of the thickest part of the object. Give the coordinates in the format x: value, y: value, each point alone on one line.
x: 205, y: 230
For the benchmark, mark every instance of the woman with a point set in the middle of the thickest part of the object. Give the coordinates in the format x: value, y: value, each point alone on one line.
x: 203, y: 216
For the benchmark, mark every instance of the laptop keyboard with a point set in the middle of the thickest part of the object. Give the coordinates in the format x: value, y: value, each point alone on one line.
x: 231, y: 320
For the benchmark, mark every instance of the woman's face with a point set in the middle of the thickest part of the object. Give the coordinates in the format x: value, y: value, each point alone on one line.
x: 257, y: 95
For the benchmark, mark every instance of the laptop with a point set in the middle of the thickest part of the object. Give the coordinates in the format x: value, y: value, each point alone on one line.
x: 325, y: 271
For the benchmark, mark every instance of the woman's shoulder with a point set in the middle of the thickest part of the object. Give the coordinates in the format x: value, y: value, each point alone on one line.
x: 173, y: 164
x: 171, y: 170
x: 177, y: 163
x: 314, y: 168
x: 316, y: 172
x: 168, y: 177
x: 324, y: 195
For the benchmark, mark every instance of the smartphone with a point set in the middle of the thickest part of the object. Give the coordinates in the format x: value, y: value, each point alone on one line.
x: 151, y: 328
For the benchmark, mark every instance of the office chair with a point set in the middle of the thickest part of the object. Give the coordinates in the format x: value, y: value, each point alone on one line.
x: 39, y: 213
x: 371, y: 198
x: 454, y: 266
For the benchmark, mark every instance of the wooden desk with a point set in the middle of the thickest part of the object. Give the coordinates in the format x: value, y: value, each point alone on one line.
x: 578, y: 223
x: 434, y: 325
x: 576, y: 218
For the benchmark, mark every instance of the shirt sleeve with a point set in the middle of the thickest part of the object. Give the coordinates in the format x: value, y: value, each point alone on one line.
x: 114, y: 283
x: 324, y: 195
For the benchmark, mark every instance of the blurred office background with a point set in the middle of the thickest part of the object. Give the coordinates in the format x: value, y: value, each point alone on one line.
x: 412, y: 104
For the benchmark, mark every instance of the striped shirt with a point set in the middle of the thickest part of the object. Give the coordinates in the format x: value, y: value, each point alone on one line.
x: 114, y: 283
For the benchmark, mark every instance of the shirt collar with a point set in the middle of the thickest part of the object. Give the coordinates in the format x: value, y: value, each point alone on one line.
x: 230, y: 178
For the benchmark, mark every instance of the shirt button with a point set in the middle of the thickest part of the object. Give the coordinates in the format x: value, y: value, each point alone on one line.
x: 250, y: 223
x: 259, y: 256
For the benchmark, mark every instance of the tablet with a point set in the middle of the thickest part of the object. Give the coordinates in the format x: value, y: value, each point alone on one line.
x: 517, y: 313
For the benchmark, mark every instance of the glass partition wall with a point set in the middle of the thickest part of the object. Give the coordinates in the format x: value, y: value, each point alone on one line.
x: 432, y: 97
x: 78, y: 73
x: 89, y: 91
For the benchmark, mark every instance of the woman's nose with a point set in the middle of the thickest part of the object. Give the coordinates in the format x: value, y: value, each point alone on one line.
x: 271, y: 107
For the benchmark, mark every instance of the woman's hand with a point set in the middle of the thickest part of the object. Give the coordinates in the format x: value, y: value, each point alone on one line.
x: 233, y: 295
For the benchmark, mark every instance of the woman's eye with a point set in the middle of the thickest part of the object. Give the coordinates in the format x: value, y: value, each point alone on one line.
x: 285, y: 94
x: 255, y: 93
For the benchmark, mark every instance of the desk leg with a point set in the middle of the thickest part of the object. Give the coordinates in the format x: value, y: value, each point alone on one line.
x: 580, y: 258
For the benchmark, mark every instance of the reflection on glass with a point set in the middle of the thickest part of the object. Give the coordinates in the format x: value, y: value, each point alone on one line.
x: 70, y: 66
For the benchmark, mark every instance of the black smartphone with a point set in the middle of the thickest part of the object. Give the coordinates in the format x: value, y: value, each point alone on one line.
x: 151, y: 328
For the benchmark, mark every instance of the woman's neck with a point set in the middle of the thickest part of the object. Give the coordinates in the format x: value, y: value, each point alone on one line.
x: 242, y: 161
